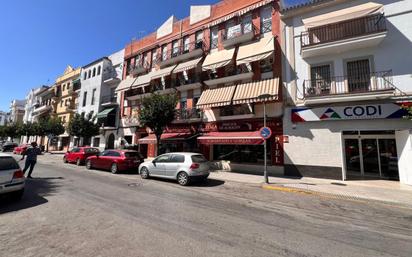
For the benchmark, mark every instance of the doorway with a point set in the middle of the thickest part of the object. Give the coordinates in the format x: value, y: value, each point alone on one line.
x: 110, y: 142
x: 371, y: 155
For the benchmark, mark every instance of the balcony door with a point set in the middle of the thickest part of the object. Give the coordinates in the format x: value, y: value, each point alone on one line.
x: 320, y: 80
x: 358, y: 76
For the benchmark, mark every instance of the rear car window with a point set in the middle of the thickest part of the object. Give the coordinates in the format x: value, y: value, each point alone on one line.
x: 133, y: 154
x: 198, y: 158
x: 177, y: 158
x: 91, y: 150
x: 8, y: 163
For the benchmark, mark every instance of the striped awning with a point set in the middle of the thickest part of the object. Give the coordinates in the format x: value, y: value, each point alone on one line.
x: 218, y: 59
x: 142, y: 81
x: 187, y: 65
x: 162, y: 72
x: 216, y: 97
x: 240, y: 12
x: 250, y: 92
x: 257, y: 51
x: 125, y: 84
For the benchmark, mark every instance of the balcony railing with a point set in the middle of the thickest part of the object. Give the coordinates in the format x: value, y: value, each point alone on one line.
x: 239, y: 31
x: 187, y: 114
x: 138, y: 68
x: 181, y: 81
x: 344, y: 30
x: 109, y: 99
x: 168, y: 57
x: 341, y: 85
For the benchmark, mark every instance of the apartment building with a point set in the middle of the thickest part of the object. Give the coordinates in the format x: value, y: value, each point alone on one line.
x: 224, y: 62
x: 65, y: 100
x: 347, y: 75
x: 4, y: 117
x: 98, y: 96
x: 17, y: 111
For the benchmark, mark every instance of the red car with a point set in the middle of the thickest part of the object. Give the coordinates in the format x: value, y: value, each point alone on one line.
x: 79, y: 155
x: 20, y: 149
x: 115, y: 160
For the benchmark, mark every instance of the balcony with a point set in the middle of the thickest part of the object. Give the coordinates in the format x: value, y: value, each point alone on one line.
x: 344, y: 88
x: 109, y: 100
x: 188, y: 114
x: 181, y: 53
x: 41, y: 109
x: 238, y: 34
x: 237, y: 74
x: 139, y: 68
x: 192, y: 82
x: 343, y: 36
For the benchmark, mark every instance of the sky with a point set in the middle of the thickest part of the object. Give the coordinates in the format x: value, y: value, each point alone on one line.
x: 40, y: 38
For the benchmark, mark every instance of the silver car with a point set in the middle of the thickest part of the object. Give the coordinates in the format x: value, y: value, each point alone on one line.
x: 182, y: 167
x: 12, y: 178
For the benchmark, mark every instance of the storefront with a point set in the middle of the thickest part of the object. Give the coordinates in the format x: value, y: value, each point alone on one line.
x: 365, y: 141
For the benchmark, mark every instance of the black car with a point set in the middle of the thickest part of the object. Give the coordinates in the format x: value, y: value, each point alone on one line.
x: 8, y: 147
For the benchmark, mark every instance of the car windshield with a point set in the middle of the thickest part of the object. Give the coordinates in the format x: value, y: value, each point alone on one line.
x: 198, y: 158
x: 132, y: 155
x: 8, y: 163
x: 91, y: 150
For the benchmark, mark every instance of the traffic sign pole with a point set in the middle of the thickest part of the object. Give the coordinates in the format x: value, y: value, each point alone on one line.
x: 265, y: 171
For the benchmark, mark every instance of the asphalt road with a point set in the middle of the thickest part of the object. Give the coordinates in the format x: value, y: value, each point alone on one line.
x: 69, y: 211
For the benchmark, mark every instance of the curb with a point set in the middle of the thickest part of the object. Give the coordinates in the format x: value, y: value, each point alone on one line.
x: 333, y: 196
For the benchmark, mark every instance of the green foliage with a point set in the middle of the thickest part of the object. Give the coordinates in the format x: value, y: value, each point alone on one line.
x: 52, y: 126
x: 83, y: 126
x: 409, y: 109
x: 157, y: 112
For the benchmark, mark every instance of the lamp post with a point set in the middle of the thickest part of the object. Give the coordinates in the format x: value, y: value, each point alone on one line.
x: 264, y: 98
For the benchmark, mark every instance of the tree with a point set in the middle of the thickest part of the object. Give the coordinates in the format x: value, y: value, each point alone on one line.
x: 408, y: 108
x: 83, y: 126
x: 12, y: 130
x: 157, y: 112
x: 51, y: 127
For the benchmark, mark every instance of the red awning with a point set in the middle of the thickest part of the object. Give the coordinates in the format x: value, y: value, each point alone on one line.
x: 231, y: 138
x: 151, y: 139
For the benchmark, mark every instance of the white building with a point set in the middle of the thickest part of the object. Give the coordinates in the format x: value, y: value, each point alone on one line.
x: 17, y: 108
x: 97, y: 95
x: 347, y: 70
x: 32, y: 102
x: 4, y: 117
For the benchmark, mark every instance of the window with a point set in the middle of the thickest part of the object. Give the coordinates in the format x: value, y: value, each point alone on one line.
x: 8, y: 163
x: 183, y: 104
x: 214, y: 37
x: 99, y: 70
x: 61, y: 103
x: 199, y: 39
x: 241, y: 109
x: 145, y: 58
x: 94, y: 72
x: 66, y: 102
x: 266, y: 65
x: 241, y: 153
x: 186, y: 44
x: 90, y: 74
x: 232, y: 29
x: 93, y: 95
x: 75, y: 150
x: 64, y: 119
x: 198, y: 158
x: 137, y: 60
x: 162, y: 158
x: 247, y: 23
x: 133, y: 155
x: 114, y: 154
x: 175, y: 48
x: 154, y: 57
x: 320, y: 80
x: 84, y: 99
x: 266, y: 19
x: 68, y: 85
x: 359, y: 75
x: 177, y: 158
x: 64, y: 87
x: 164, y: 53
x: 85, y: 75
x: 128, y: 139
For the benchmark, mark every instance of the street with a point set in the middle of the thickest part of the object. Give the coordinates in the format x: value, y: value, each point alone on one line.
x: 70, y: 211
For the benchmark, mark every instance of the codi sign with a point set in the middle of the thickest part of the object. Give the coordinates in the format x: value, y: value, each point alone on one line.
x: 350, y: 112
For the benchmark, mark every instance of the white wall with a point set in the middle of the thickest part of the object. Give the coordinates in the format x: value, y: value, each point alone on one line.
x: 404, y: 149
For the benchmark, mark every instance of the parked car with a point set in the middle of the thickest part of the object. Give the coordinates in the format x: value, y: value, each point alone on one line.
x: 115, y: 160
x: 8, y: 147
x: 183, y: 167
x: 12, y: 178
x: 20, y: 149
x: 79, y: 155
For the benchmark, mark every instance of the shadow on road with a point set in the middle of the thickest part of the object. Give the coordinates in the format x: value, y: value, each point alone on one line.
x: 208, y: 183
x: 34, y: 194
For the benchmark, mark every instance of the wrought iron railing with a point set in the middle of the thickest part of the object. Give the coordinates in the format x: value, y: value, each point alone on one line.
x: 188, y: 113
x: 344, y: 30
x: 340, y: 85
x: 238, y: 30
x: 109, y: 99
x: 180, y: 50
x: 266, y: 26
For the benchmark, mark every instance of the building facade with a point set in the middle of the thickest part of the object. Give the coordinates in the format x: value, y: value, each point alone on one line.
x: 98, y: 96
x: 223, y: 62
x: 4, y: 117
x: 346, y: 79
x: 17, y: 111
x: 66, y: 101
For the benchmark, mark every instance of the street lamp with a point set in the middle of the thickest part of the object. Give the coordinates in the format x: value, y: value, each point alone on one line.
x: 263, y: 98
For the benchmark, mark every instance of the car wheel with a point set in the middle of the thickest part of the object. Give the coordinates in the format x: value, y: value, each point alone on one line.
x: 183, y: 178
x: 65, y: 160
x: 78, y: 162
x: 89, y: 165
x: 144, y: 173
x: 114, y: 168
x: 16, y: 196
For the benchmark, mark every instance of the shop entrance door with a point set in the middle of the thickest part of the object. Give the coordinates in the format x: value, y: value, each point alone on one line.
x: 371, y: 156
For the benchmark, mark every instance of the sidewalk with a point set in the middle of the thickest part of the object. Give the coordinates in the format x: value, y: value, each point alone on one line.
x: 377, y: 190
